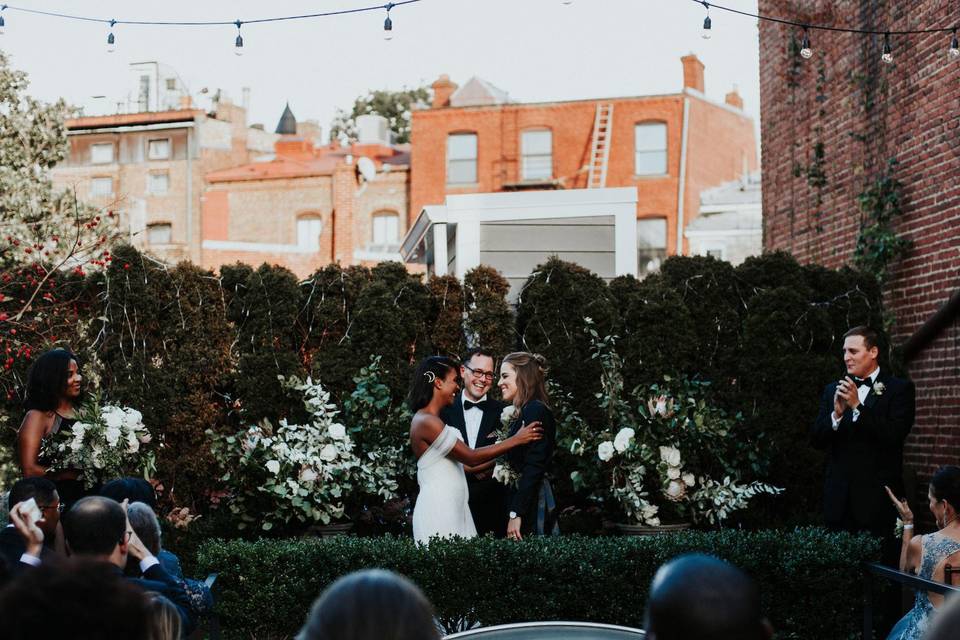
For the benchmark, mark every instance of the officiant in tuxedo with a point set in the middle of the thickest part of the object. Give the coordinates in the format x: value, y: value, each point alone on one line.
x: 863, y: 421
x: 478, y: 417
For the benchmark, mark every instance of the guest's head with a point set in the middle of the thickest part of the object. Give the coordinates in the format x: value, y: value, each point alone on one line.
x: 44, y: 492
x: 477, y: 373
x: 53, y: 378
x: 861, y: 351
x: 944, y: 494
x: 75, y: 599
x: 435, y: 376
x: 163, y: 621
x: 523, y: 378
x: 699, y: 596
x: 371, y: 605
x: 132, y: 489
x: 96, y: 527
x: 145, y: 524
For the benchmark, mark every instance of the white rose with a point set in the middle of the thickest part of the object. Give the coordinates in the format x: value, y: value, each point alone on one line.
x: 132, y: 418
x: 673, y: 473
x: 649, y: 510
x: 506, y: 416
x: 113, y: 435
x: 133, y: 445
x: 337, y: 431
x: 308, y: 475
x: 328, y: 453
x: 113, y: 419
x: 622, y: 442
x: 273, y: 466
x: 605, y: 450
x: 670, y: 455
x: 688, y: 479
x: 652, y: 522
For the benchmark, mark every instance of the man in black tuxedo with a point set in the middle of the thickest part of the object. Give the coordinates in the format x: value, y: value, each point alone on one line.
x: 862, y: 424
x: 44, y: 493
x: 478, y: 418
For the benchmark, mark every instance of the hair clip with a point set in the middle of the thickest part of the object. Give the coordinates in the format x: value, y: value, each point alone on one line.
x: 430, y: 376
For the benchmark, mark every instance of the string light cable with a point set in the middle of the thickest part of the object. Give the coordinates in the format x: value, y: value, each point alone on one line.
x: 807, y: 51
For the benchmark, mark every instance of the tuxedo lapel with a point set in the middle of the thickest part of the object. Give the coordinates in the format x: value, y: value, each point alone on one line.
x: 456, y: 414
x: 872, y: 397
x: 488, y: 424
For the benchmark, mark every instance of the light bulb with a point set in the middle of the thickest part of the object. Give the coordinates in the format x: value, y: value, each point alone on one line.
x: 707, y: 28
x: 238, y: 46
x: 953, y: 53
x: 2, y: 25
x: 388, y: 29
x: 887, y: 56
x: 805, y: 49
x: 111, y: 43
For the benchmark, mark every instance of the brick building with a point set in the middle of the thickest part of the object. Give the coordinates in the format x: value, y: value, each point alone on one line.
x: 669, y: 147
x: 830, y: 126
x: 310, y: 205
x: 149, y: 167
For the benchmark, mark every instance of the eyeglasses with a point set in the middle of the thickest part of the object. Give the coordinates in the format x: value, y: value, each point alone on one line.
x: 486, y: 375
x: 58, y: 507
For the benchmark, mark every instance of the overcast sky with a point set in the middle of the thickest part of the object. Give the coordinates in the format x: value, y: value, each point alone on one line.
x: 537, y: 50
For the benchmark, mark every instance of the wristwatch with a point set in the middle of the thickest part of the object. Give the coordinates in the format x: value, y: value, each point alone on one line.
x: 513, y: 514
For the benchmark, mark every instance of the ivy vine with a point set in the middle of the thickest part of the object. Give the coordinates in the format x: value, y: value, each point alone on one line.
x: 878, y: 245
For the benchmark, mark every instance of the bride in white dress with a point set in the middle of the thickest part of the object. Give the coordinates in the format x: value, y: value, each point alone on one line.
x: 442, y: 507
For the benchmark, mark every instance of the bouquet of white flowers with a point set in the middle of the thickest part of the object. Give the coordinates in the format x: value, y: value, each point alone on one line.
x: 104, y: 442
x: 502, y: 471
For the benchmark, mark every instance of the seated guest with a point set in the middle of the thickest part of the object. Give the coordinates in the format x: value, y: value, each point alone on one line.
x: 927, y: 555
x: 97, y: 528
x: 699, y: 596
x: 371, y: 605
x: 76, y: 599
x: 147, y: 527
x: 131, y: 489
x: 44, y: 493
x: 164, y: 619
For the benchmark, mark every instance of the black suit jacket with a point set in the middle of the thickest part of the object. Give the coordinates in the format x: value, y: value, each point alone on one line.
x: 453, y: 416
x: 158, y: 580
x: 865, y: 455
x: 531, y: 461
x: 12, y: 546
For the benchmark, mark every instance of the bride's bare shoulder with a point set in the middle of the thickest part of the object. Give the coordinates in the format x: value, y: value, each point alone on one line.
x: 426, y: 423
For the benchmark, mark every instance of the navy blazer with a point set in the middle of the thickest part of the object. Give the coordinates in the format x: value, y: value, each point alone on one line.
x: 532, y: 460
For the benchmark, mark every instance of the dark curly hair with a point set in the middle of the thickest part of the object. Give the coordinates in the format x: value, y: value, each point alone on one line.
x: 429, y: 369
x: 47, y: 380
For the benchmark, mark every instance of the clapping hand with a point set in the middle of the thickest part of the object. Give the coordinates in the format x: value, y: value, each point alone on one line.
x: 906, y: 515
x: 846, y: 396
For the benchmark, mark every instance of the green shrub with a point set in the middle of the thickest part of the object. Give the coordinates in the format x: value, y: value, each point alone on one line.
x: 489, y: 321
x: 810, y: 579
x: 446, y: 316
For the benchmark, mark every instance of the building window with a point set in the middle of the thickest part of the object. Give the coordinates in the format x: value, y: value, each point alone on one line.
x: 651, y: 245
x: 159, y: 233
x: 101, y: 153
x: 308, y: 232
x: 462, y: 158
x: 171, y: 84
x: 158, y: 149
x: 101, y: 187
x: 158, y: 184
x: 651, y: 149
x: 716, y: 252
x: 536, y: 148
x: 386, y: 229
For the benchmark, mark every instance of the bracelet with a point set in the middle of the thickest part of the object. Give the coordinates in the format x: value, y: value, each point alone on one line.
x: 908, y: 526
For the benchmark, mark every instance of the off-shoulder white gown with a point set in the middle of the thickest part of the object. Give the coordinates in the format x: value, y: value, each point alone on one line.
x: 442, y: 507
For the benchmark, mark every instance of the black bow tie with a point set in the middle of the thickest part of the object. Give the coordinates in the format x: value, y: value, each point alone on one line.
x: 863, y: 382
x: 470, y: 405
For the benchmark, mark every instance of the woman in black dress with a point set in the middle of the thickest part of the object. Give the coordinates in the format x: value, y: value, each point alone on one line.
x: 532, y: 509
x: 52, y: 400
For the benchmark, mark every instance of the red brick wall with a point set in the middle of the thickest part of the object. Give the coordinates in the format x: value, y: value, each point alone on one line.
x: 863, y: 112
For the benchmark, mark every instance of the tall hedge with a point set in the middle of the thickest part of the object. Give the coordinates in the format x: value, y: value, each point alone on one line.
x: 445, y: 320
x: 266, y: 587
x: 489, y: 322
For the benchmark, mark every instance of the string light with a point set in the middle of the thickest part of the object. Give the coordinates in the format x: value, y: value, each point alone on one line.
x: 953, y: 53
x: 707, y: 24
x: 388, y: 24
x: 887, y: 49
x: 3, y: 22
x: 238, y: 44
x: 111, y: 40
x: 805, y: 49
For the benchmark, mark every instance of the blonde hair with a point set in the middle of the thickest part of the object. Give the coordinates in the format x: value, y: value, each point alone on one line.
x: 164, y: 622
x: 531, y: 371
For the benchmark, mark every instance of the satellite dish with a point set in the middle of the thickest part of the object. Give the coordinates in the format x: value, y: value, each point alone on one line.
x: 367, y: 169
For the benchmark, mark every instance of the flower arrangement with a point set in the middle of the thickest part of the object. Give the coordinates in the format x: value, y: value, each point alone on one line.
x: 300, y: 473
x: 673, y: 456
x: 105, y: 442
x: 503, y: 471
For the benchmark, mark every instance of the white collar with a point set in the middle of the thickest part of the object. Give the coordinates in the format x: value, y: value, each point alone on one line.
x: 873, y: 376
x: 463, y: 398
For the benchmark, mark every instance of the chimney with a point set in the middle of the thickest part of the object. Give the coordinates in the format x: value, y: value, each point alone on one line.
x: 443, y: 88
x: 734, y: 100
x: 692, y: 72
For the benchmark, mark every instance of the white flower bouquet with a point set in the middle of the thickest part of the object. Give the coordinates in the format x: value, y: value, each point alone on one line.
x: 503, y: 472
x: 105, y: 442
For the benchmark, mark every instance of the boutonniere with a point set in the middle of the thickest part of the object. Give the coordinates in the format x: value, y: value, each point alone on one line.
x: 878, y: 388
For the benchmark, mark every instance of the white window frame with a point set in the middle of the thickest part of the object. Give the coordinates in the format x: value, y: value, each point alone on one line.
x: 150, y: 147
x: 151, y: 189
x: 706, y: 248
x: 536, y: 166
x: 100, y: 180
x: 102, y: 159
x: 648, y: 151
x: 464, y: 160
x: 381, y: 221
x: 153, y: 227
x: 309, y: 229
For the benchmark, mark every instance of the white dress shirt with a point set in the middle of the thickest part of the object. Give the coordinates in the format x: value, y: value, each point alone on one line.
x: 472, y: 417
x: 862, y: 394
